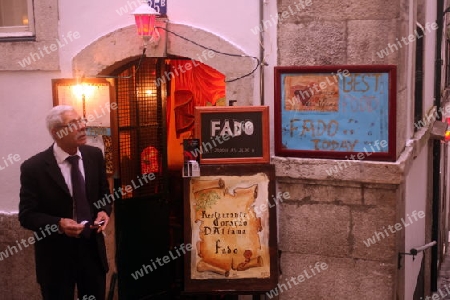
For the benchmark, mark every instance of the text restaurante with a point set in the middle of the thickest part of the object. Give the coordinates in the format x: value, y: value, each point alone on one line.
x: 239, y: 220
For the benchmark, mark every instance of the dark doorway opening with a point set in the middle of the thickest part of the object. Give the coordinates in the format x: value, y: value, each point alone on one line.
x: 149, y: 212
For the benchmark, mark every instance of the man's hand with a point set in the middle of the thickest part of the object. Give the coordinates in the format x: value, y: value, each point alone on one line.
x: 70, y: 227
x: 101, y: 216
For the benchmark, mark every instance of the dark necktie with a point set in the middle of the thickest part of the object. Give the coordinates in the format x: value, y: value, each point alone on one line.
x: 82, y: 209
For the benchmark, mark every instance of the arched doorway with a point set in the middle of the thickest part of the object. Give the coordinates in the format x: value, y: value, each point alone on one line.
x: 149, y: 219
x: 123, y: 45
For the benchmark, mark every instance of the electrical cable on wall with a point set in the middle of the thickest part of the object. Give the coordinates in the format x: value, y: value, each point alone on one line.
x: 219, y: 52
x: 197, y: 44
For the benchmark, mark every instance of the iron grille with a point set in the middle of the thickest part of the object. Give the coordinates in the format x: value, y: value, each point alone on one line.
x: 140, y: 130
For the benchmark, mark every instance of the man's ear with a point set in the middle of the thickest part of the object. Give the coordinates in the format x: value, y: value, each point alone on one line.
x: 54, y: 135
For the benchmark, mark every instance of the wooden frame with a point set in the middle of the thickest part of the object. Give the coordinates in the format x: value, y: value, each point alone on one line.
x: 96, y: 108
x: 338, y: 112
x: 244, y: 256
x: 233, y: 134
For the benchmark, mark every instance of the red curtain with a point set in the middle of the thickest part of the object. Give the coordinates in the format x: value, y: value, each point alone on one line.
x: 206, y: 84
x: 192, y: 84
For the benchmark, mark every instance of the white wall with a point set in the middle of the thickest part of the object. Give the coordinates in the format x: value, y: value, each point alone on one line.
x: 25, y: 99
x: 429, y: 58
x: 232, y: 20
x: 416, y: 180
x: 416, y: 195
x: 271, y: 57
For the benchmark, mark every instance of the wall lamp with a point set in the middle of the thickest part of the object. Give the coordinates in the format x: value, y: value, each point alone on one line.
x: 83, y: 91
x: 145, y: 18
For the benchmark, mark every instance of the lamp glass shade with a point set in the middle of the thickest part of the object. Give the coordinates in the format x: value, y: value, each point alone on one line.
x: 145, y: 24
x: 145, y: 17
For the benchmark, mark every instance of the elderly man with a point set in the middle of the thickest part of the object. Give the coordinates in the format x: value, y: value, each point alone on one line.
x: 59, y: 187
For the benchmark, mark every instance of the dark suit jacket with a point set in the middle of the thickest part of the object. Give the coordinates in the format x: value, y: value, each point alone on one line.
x: 45, y: 199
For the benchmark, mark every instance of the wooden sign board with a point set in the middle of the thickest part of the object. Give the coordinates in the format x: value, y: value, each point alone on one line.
x: 346, y: 112
x: 233, y: 134
x: 230, y: 224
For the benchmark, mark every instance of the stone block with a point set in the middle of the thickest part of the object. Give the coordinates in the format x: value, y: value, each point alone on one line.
x: 316, y: 229
x: 335, y: 10
x: 380, y: 196
x: 112, y: 48
x: 378, y: 225
x: 368, y: 42
x: 18, y: 275
x: 312, y: 43
x: 344, y: 278
x: 305, y: 192
x: 358, y: 171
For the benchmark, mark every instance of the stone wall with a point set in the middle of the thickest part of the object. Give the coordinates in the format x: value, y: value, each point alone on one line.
x: 17, y: 271
x: 328, y: 217
x: 17, y: 275
x: 328, y: 222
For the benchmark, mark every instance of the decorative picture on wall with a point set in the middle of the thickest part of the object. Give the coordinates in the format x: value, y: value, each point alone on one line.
x: 336, y: 112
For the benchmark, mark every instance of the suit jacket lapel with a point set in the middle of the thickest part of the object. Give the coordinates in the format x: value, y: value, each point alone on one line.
x: 54, y: 171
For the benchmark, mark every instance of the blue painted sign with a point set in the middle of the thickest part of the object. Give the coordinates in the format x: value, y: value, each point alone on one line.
x: 159, y: 5
x: 342, y: 112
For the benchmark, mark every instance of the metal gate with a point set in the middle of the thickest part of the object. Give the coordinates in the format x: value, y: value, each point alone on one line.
x: 142, y: 213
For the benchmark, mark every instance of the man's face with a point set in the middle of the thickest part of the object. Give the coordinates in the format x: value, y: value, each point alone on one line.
x: 72, y: 132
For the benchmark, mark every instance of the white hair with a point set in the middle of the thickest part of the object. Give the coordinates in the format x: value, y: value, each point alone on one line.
x: 54, y: 118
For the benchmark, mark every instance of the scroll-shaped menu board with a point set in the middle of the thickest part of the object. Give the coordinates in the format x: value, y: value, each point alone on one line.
x: 343, y: 112
x: 232, y: 229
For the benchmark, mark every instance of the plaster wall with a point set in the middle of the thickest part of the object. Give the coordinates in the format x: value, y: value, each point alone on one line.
x: 416, y: 199
x: 210, y: 16
x: 26, y: 99
x: 418, y: 179
x: 430, y: 49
